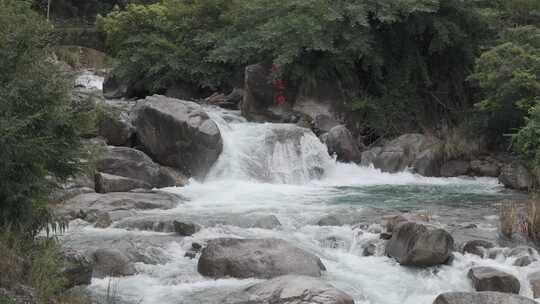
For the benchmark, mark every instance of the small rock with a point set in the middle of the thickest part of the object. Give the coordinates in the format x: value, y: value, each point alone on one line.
x: 477, y: 247
x: 186, y: 229
x: 103, y: 221
x: 76, y: 268
x: 111, y: 262
x: 385, y: 236
x: 369, y: 250
x: 491, y: 279
x: 523, y: 261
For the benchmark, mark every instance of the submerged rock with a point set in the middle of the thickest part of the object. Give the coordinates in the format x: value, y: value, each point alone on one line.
x: 178, y: 134
x: 481, y: 298
x: 110, y: 262
x: 290, y: 289
x: 534, y: 280
x: 415, y: 245
x: 256, y: 258
x: 477, y: 247
x: 491, y: 279
x: 185, y: 228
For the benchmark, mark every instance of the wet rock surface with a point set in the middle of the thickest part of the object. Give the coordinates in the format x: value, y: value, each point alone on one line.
x: 256, y: 258
x: 415, y: 245
x: 288, y: 290
x: 481, y: 298
x: 491, y: 279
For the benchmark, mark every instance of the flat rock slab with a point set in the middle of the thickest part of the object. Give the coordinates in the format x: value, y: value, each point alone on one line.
x: 290, y: 289
x: 256, y: 258
x: 87, y: 206
x: 481, y: 298
x: 491, y: 279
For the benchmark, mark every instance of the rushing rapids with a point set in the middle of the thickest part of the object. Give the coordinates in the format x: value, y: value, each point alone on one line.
x: 284, y: 171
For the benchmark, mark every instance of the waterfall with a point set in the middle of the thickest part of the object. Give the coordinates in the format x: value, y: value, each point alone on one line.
x: 269, y: 152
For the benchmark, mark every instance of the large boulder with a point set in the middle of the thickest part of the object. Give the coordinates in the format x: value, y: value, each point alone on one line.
x: 113, y: 87
x: 516, y: 176
x: 178, y: 134
x: 341, y: 143
x: 491, y: 279
x: 256, y: 258
x: 416, y: 151
x: 415, y: 245
x: 129, y: 163
x: 290, y: 289
x: 481, y: 298
x: 258, y: 93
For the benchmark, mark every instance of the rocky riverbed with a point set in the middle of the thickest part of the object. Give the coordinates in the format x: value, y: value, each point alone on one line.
x: 194, y: 204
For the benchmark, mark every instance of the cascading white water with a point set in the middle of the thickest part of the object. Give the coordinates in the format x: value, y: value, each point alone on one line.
x: 275, y: 169
x: 272, y: 153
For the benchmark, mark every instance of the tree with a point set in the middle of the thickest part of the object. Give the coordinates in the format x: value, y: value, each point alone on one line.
x: 38, y: 129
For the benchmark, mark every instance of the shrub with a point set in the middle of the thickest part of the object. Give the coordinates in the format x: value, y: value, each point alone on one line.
x: 39, y: 132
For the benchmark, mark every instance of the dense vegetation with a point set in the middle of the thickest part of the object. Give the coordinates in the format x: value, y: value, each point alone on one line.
x: 38, y: 128
x: 403, y: 65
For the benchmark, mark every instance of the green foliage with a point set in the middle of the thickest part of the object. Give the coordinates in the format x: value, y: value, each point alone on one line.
x: 38, y: 129
x: 45, y: 275
x: 509, y: 76
x: 161, y: 44
x: 527, y: 140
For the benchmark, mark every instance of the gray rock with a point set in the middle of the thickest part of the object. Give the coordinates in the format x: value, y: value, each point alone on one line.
x: 341, y: 143
x: 178, y: 134
x: 523, y: 261
x: 266, y: 222
x: 169, y: 177
x: 345, y: 217
x: 481, y: 298
x: 106, y: 183
x: 484, y: 168
x: 258, y: 93
x: 455, y: 168
x: 477, y: 247
x: 185, y: 228
x: 111, y: 262
x: 415, y: 245
x: 290, y: 289
x: 516, y: 176
x: 324, y: 123
x: 130, y: 163
x: 114, y: 88
x: 88, y: 206
x: 103, y: 221
x: 369, y: 250
x: 76, y: 268
x: 115, y: 128
x: 534, y: 280
x: 256, y: 258
x: 491, y: 279
x: 417, y: 151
